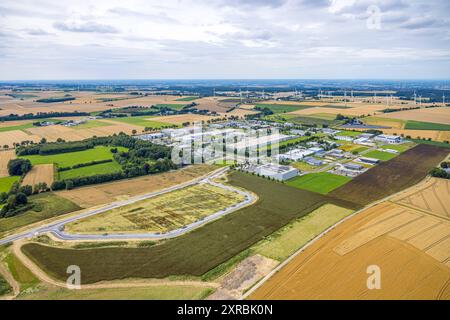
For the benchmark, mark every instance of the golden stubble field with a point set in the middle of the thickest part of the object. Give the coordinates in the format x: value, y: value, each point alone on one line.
x: 5, y: 157
x: 434, y: 115
x: 410, y: 246
x: 120, y: 190
x: 40, y: 173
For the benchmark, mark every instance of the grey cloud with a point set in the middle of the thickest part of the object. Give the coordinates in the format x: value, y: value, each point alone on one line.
x: 85, y: 27
x: 160, y: 17
x: 422, y: 23
x: 37, y: 32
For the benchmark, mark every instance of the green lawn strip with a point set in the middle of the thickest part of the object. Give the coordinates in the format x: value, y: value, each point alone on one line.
x: 383, y: 156
x: 399, y: 147
x: 335, y: 106
x: 321, y: 182
x: 188, y: 98
x: 433, y: 143
x: 70, y: 159
x: 349, y: 133
x: 171, y: 292
x: 46, y: 205
x: 196, y: 252
x: 284, y: 242
x: 102, y: 168
x: 91, y: 124
x: 20, y: 273
x: 143, y: 121
x: 419, y: 125
x: 19, y: 127
x: 282, y: 108
x: 7, y: 182
x: 173, y: 106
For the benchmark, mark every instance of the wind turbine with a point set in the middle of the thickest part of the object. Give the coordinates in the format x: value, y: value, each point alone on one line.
x: 443, y: 100
x: 415, y: 97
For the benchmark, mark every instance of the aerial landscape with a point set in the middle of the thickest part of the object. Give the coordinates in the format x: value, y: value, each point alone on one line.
x: 174, y: 167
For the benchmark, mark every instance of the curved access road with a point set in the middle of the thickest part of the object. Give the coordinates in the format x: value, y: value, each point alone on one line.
x: 57, y: 228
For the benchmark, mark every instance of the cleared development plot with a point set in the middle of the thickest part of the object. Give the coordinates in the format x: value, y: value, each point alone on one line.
x: 196, y: 252
x: 392, y: 176
x: 413, y: 264
x: 322, y: 182
x: 40, y: 173
x: 160, y: 214
x: 5, y: 157
x: 432, y: 195
x: 120, y: 190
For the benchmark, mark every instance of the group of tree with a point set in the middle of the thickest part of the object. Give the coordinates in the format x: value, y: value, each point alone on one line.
x: 42, y: 115
x: 19, y: 167
x: 442, y: 171
x: 15, y: 201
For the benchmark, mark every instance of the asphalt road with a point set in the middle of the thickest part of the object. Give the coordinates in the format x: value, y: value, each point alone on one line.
x: 57, y: 228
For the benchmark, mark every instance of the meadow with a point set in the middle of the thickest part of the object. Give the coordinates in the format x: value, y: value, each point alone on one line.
x: 143, y: 121
x: 197, y: 252
x: 419, y: 125
x: 381, y: 155
x: 281, y: 108
x: 321, y: 182
x: 101, y: 168
x: 187, y: 98
x: 7, y: 182
x: 70, y: 159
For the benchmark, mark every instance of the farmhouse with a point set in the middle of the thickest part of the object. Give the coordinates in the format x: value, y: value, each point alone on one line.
x: 277, y: 172
x: 389, y: 139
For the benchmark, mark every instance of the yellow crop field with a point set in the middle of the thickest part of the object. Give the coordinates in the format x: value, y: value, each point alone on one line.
x: 5, y: 157
x: 40, y: 173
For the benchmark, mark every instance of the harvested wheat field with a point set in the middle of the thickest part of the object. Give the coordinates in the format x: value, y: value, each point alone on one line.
x: 120, y: 190
x: 434, y: 115
x: 411, y: 248
x: 216, y: 104
x: 352, y: 110
x: 8, y: 138
x: 239, y: 113
x: 432, y: 195
x: 5, y: 156
x: 40, y: 173
x: 182, y: 118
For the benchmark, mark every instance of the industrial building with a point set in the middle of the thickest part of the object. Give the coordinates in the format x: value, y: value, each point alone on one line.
x: 389, y: 139
x: 277, y: 172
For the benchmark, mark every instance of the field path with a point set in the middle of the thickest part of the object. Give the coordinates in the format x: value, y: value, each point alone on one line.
x: 41, y: 275
x: 12, y: 282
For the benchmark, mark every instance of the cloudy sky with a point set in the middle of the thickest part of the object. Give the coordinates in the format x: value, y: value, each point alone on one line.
x: 224, y: 39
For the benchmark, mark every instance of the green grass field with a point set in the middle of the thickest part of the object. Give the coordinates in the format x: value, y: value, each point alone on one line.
x: 72, y: 158
x: 161, y: 292
x: 282, y: 108
x: 142, y: 121
x: 281, y: 244
x: 187, y: 98
x: 102, y: 168
x: 348, y: 133
x: 194, y: 253
x: 399, y: 147
x: 336, y: 106
x: 419, y: 125
x: 321, y: 182
x: 383, y: 156
x: 20, y: 127
x: 91, y: 124
x: 173, y: 106
x: 432, y: 143
x: 7, y: 182
x: 47, y: 205
x: 310, y: 120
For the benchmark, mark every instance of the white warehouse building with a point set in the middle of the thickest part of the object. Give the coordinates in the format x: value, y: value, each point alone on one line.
x: 277, y: 172
x: 389, y: 139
